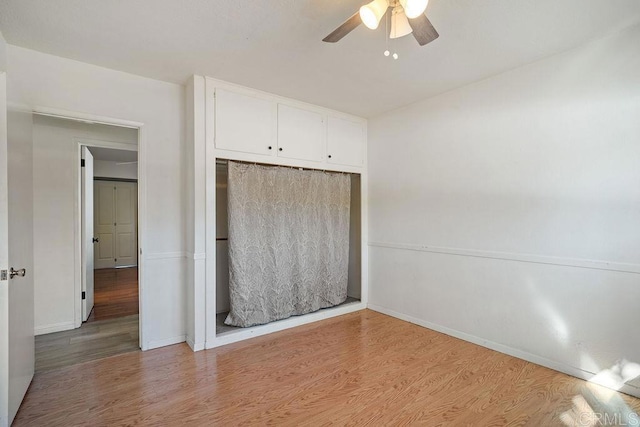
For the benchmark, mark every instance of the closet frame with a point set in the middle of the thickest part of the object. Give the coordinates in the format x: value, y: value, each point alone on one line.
x: 202, y: 155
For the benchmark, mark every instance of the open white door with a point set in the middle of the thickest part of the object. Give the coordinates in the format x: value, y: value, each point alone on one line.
x: 87, y: 232
x: 16, y: 258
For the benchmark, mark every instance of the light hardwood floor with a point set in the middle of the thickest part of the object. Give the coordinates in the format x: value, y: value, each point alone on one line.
x: 115, y: 293
x: 361, y: 368
x: 112, y: 327
x: 93, y: 340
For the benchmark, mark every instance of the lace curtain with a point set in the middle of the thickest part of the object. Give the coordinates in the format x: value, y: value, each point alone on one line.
x: 288, y: 242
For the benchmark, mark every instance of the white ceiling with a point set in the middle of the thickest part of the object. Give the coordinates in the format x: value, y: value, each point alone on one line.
x: 113, y: 155
x: 276, y: 45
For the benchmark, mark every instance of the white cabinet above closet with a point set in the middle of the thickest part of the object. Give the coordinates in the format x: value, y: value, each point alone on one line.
x: 300, y: 134
x: 345, y: 142
x: 245, y: 123
x: 249, y: 125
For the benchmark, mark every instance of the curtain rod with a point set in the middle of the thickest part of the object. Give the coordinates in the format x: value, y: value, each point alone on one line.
x: 104, y: 178
x: 225, y: 162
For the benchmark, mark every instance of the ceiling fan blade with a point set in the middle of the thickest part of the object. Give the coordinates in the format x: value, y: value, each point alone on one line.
x: 344, y: 29
x: 423, y: 31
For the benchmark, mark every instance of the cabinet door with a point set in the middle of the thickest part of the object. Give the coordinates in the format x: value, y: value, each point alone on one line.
x: 300, y: 134
x: 245, y: 123
x: 345, y: 142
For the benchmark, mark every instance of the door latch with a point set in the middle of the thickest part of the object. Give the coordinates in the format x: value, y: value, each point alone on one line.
x: 3, y: 275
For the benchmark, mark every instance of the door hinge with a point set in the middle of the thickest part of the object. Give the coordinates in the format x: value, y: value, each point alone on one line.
x: 3, y: 275
x: 84, y: 295
x: 81, y: 163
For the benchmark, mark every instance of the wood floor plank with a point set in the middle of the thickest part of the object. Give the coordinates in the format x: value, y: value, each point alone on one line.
x: 92, y: 341
x: 115, y: 293
x: 363, y: 368
x: 112, y: 327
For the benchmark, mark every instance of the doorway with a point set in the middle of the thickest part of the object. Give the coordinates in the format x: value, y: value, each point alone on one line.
x: 102, y: 291
x: 114, y: 241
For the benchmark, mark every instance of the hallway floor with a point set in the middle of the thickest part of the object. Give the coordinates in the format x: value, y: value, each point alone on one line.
x: 112, y: 327
x: 115, y: 293
x: 93, y: 340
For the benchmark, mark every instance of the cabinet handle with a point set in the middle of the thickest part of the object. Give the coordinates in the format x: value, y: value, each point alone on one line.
x: 280, y: 149
x: 329, y: 155
x: 269, y: 147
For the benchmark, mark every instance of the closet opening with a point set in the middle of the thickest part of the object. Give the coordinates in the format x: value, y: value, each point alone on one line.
x: 354, y: 271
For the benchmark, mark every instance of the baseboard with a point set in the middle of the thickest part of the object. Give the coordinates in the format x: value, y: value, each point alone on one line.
x: 165, y: 342
x: 195, y: 347
x: 281, y: 325
x: 501, y: 348
x: 56, y: 327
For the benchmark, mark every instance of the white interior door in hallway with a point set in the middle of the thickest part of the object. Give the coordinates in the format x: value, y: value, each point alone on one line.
x: 115, y: 224
x: 88, y: 239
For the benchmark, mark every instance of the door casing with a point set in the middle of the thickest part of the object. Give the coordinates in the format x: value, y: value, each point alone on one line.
x: 87, y: 142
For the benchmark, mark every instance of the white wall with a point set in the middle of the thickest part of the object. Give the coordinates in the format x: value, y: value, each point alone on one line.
x: 110, y: 169
x: 55, y: 183
x: 49, y: 81
x: 507, y: 212
x: 3, y: 53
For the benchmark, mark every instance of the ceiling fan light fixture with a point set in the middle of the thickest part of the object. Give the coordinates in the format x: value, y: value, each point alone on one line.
x: 399, y: 24
x: 414, y: 8
x: 372, y: 13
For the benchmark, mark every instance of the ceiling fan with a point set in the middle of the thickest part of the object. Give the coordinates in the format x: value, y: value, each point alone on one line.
x: 407, y: 16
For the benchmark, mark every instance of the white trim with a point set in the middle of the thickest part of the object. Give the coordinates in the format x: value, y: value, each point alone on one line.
x: 193, y: 346
x: 104, y: 143
x: 291, y: 322
x: 210, y: 215
x: 86, y: 118
x: 165, y: 342
x: 142, y: 233
x: 165, y: 255
x: 196, y: 257
x: 55, y: 327
x: 512, y: 256
x: 142, y: 201
x: 520, y: 354
x: 284, y: 161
